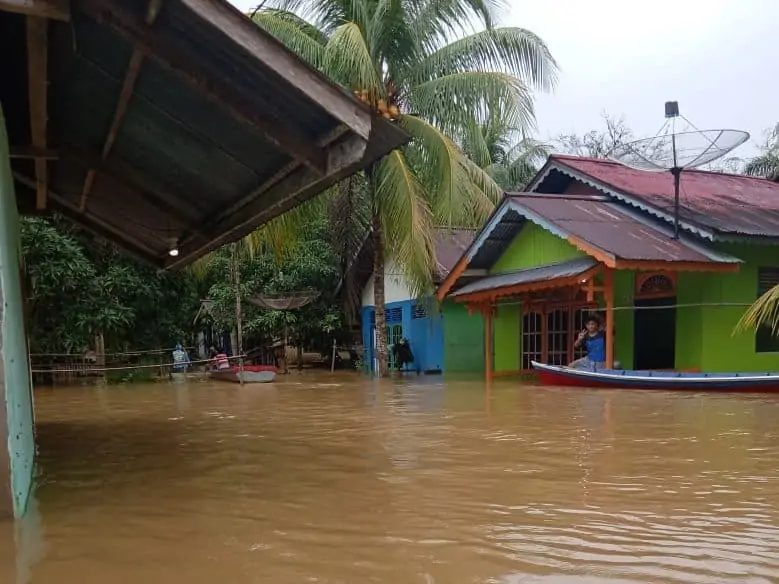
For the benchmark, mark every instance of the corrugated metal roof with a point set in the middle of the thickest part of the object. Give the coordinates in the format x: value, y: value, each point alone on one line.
x: 450, y: 244
x: 610, y: 227
x: 725, y: 203
x: 568, y: 269
x: 192, y: 158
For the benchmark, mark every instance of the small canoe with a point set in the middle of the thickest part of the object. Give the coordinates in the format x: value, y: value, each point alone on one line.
x: 250, y: 374
x: 669, y: 380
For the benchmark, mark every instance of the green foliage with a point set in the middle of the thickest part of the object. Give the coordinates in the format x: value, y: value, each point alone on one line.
x: 78, y: 288
x: 766, y: 164
x: 311, y: 263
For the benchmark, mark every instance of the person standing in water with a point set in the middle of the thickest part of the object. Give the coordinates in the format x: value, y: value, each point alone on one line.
x: 180, y: 359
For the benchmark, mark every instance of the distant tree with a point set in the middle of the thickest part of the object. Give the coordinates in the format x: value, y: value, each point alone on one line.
x: 596, y: 143
x: 766, y: 164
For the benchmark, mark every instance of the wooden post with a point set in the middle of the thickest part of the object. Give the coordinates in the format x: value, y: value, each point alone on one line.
x: 608, y: 292
x: 238, y: 313
x: 487, y: 311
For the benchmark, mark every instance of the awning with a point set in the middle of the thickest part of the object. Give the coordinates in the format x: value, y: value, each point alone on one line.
x: 568, y: 273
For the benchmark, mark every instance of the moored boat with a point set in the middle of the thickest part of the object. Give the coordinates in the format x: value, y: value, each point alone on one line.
x: 250, y: 374
x: 668, y: 380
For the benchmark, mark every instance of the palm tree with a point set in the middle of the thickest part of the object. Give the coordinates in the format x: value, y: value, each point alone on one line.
x: 501, y: 147
x: 399, y: 57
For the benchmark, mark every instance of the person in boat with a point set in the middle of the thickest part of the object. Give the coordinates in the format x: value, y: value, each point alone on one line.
x: 221, y: 362
x: 593, y: 340
x: 180, y: 359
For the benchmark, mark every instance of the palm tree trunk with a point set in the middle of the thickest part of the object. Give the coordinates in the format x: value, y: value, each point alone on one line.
x: 378, y: 297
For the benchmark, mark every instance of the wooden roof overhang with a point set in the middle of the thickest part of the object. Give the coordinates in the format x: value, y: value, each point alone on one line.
x: 157, y: 121
x: 521, y: 290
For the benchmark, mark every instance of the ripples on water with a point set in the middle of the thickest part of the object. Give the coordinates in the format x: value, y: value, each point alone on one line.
x: 356, y: 481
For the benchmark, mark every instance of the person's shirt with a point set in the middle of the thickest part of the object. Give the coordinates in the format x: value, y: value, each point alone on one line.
x: 595, y: 345
x: 222, y: 362
x: 180, y: 358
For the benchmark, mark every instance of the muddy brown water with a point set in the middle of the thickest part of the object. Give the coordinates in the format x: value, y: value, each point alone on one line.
x: 345, y: 480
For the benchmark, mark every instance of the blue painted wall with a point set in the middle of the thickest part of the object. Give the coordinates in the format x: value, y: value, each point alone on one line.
x: 422, y: 326
x: 15, y: 374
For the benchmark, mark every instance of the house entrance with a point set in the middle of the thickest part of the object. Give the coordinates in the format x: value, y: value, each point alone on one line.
x: 655, y: 322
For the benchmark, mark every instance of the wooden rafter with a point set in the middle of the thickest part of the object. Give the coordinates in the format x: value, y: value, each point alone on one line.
x: 116, y: 15
x: 54, y: 9
x: 95, y: 224
x: 37, y: 75
x: 128, y: 87
x: 28, y: 152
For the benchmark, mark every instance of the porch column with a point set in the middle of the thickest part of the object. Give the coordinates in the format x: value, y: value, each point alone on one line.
x: 17, y: 442
x: 608, y: 293
x: 488, y: 313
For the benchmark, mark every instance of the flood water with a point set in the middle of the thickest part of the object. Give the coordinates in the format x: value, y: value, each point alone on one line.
x: 343, y: 480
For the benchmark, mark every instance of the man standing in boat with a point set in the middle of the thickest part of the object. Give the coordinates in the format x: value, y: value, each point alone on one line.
x: 593, y: 339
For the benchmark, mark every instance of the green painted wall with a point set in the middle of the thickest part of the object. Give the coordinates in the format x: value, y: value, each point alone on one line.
x: 463, y: 339
x: 706, y: 332
x: 15, y: 386
x: 535, y: 246
x: 624, y: 285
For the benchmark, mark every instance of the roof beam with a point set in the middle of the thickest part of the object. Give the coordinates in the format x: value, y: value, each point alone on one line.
x: 54, y: 9
x: 128, y: 87
x: 95, y: 224
x: 343, y: 157
x: 28, y: 152
x: 221, y: 93
x: 128, y: 178
x: 37, y: 79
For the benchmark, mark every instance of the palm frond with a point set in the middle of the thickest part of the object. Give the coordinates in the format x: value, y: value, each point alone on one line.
x: 407, y: 220
x: 295, y: 33
x: 453, y: 100
x: 460, y: 193
x: 764, y: 312
x: 348, y: 59
x: 765, y: 165
x: 516, y: 51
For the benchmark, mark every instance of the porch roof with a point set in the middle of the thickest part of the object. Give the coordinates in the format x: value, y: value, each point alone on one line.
x: 568, y: 273
x: 156, y: 120
x: 602, y: 228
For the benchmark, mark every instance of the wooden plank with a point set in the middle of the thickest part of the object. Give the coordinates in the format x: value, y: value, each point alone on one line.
x: 296, y: 188
x: 96, y: 224
x: 54, y: 9
x: 32, y: 152
x: 129, y: 179
x: 37, y: 74
x: 125, y: 95
x: 272, y: 54
x: 209, y: 83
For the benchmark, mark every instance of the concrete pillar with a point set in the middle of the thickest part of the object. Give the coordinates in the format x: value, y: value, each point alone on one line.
x: 17, y: 441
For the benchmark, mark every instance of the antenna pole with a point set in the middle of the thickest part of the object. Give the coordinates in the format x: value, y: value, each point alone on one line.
x: 677, y: 172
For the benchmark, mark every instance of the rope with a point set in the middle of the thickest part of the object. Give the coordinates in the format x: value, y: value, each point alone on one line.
x: 127, y: 354
x: 124, y: 368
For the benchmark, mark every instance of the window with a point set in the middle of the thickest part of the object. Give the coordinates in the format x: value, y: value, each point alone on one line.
x: 394, y: 315
x: 766, y: 341
x: 557, y: 335
x: 419, y: 311
x: 532, y: 339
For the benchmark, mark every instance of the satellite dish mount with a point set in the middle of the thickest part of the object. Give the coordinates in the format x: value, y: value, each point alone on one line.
x: 676, y: 152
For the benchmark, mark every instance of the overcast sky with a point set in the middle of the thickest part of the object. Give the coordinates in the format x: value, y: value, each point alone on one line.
x: 718, y: 58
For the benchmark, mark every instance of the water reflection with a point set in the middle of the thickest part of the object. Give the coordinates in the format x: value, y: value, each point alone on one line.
x: 340, y: 479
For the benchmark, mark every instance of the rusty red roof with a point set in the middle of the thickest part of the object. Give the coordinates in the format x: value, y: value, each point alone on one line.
x: 611, y: 227
x: 450, y: 244
x: 723, y: 203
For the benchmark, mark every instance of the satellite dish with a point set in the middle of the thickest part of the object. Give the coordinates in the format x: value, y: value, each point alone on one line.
x: 676, y: 151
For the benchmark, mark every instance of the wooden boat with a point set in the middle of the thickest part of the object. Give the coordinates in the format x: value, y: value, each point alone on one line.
x: 669, y: 380
x: 250, y: 374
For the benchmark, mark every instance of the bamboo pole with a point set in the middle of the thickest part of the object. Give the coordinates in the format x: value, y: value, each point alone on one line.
x: 238, y: 313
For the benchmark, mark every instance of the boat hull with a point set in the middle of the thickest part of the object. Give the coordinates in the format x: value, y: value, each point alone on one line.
x: 250, y: 374
x: 665, y: 380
